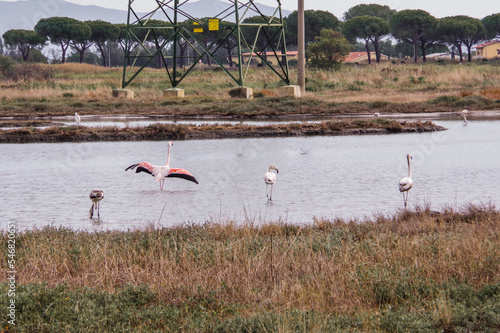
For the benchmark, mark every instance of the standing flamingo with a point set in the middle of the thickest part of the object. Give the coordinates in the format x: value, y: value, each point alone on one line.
x: 96, y: 196
x: 464, y: 114
x: 162, y: 172
x: 270, y: 179
x: 406, y: 183
x: 77, y: 119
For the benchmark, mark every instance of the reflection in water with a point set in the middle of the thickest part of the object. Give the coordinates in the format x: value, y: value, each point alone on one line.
x: 348, y: 176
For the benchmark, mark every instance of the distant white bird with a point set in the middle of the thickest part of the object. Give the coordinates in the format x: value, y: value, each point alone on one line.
x: 376, y: 114
x: 96, y: 196
x: 270, y: 179
x: 406, y: 183
x: 163, y: 171
x: 77, y: 119
x: 464, y: 114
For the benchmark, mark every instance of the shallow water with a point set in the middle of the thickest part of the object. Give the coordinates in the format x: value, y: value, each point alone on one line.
x: 92, y: 122
x: 341, y: 176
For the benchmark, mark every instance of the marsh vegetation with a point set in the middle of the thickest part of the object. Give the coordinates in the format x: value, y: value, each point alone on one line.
x: 211, y: 131
x: 386, y: 88
x: 417, y: 270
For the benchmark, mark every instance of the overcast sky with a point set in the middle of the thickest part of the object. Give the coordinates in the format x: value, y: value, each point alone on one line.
x: 437, y: 8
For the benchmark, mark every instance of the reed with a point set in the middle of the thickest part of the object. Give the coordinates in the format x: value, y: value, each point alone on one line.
x: 416, y: 270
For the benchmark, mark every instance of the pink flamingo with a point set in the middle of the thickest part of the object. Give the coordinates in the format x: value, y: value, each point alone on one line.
x: 162, y: 172
x: 96, y: 196
x: 406, y: 183
x: 270, y: 179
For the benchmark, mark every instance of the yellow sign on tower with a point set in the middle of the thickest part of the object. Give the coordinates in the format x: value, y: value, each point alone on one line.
x: 197, y: 29
x: 213, y: 24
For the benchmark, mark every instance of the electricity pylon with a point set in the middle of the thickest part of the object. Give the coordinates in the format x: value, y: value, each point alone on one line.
x: 179, y: 41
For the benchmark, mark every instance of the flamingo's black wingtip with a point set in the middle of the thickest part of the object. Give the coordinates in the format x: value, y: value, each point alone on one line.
x: 131, y: 166
x: 191, y: 178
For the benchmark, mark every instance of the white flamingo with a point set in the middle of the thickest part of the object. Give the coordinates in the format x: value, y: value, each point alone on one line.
x: 270, y: 179
x: 96, y: 196
x: 162, y: 172
x: 464, y: 114
x: 406, y: 183
x: 77, y: 119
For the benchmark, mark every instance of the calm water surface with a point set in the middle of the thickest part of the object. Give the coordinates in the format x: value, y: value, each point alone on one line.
x: 344, y: 176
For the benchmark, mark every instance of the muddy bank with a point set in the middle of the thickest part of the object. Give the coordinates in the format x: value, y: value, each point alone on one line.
x: 215, y: 131
x: 48, y: 121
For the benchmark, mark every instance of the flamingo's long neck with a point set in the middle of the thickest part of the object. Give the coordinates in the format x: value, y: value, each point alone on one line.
x: 168, y: 157
x: 409, y: 167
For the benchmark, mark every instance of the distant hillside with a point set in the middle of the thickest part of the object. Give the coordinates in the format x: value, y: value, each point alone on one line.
x: 25, y: 14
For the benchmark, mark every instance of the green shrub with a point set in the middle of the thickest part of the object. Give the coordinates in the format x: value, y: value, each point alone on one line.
x: 6, y: 65
x: 40, y: 107
x: 446, y: 99
x: 473, y: 100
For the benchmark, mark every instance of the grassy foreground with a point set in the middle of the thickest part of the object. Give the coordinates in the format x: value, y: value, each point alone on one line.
x: 414, y: 271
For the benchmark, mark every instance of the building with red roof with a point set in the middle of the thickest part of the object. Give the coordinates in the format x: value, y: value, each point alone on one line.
x: 488, y: 50
x: 362, y: 57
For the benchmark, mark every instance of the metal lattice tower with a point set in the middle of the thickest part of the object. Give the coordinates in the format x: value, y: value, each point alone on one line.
x: 178, y: 41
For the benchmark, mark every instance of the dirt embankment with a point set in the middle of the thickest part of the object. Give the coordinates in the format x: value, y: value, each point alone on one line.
x: 215, y: 131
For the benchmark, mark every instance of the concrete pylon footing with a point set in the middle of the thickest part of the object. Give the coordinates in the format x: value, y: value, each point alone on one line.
x: 290, y: 91
x: 173, y: 93
x: 241, y: 92
x: 123, y: 93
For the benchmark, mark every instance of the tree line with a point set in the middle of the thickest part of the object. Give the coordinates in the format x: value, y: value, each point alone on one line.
x: 328, y: 39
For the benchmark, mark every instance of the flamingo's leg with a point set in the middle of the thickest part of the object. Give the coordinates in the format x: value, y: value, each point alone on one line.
x: 271, y: 196
x: 98, y: 206
x: 267, y: 189
x: 91, y: 211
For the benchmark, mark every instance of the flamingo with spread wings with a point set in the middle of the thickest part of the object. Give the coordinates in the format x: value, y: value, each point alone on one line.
x: 162, y: 172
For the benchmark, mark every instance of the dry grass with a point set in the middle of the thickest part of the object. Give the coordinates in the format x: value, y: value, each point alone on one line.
x: 76, y: 68
x: 414, y: 271
x: 340, y: 267
x: 493, y: 93
x: 397, y: 83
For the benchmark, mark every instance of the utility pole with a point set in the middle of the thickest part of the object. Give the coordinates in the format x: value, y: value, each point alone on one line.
x: 301, y: 63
